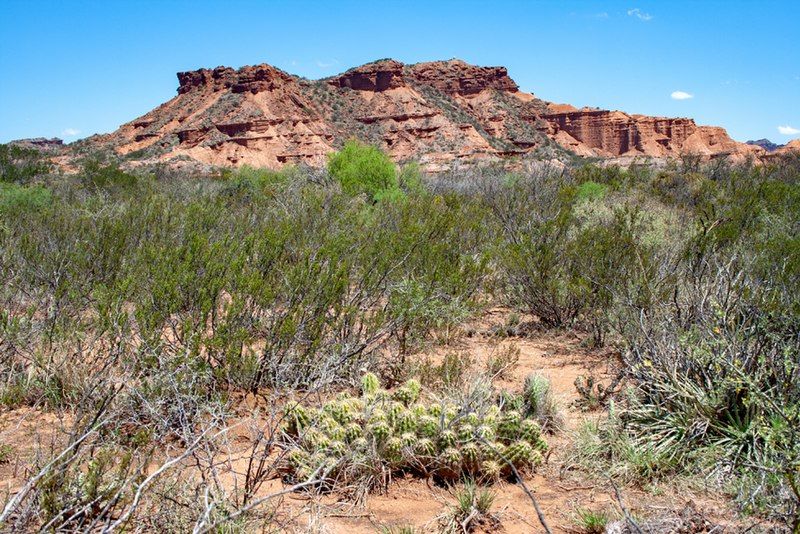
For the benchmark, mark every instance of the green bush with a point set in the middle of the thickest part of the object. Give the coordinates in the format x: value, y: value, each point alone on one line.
x: 17, y: 198
x: 364, y: 169
x: 20, y: 165
x: 98, y: 174
x: 588, y: 191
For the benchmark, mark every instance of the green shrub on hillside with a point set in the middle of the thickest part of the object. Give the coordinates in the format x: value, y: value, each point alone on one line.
x: 588, y: 191
x: 20, y: 165
x: 361, y: 168
x: 98, y: 174
x: 15, y: 197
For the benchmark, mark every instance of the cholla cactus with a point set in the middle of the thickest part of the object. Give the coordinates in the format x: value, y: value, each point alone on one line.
x: 447, y: 438
x: 485, y: 432
x: 352, y: 432
x: 466, y: 432
x: 380, y: 430
x: 471, y: 453
x: 393, y: 449
x: 428, y: 426
x: 370, y: 384
x: 435, y: 409
x: 491, y: 470
x: 472, y: 418
x: 508, y: 425
x: 425, y: 447
x: 406, y: 422
x: 450, y: 462
x: 520, y: 453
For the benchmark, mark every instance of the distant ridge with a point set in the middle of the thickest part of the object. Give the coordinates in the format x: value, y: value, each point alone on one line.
x: 766, y: 144
x: 439, y: 113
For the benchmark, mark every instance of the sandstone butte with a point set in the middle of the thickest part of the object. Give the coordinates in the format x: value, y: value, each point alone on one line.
x: 438, y: 113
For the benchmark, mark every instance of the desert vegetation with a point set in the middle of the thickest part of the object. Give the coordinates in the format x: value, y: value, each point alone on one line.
x: 210, y: 344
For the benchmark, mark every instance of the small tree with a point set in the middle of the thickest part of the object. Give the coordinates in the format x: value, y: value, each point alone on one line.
x: 363, y: 168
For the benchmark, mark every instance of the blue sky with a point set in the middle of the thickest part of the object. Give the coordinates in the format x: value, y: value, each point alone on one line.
x: 73, y: 68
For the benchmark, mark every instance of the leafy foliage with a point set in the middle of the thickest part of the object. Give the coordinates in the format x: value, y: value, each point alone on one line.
x: 20, y: 165
x: 362, y: 168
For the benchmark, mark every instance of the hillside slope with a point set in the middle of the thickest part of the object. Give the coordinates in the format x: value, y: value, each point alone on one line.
x: 438, y: 113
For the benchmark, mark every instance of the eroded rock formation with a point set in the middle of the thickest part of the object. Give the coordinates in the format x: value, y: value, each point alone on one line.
x: 438, y: 113
x: 603, y: 133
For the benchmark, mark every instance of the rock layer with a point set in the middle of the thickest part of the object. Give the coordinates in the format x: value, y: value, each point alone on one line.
x: 438, y: 113
x: 603, y: 133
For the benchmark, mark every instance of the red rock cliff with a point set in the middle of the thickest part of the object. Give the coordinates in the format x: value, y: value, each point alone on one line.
x: 439, y: 113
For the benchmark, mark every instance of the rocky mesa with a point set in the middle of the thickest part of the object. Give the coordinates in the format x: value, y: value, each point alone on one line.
x: 439, y: 113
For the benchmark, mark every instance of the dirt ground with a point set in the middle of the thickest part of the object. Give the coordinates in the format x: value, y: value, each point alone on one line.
x: 560, y: 489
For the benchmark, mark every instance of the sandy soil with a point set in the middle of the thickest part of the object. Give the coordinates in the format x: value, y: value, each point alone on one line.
x: 559, y: 488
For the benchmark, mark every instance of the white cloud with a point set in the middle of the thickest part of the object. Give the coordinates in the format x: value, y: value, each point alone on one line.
x: 788, y: 130
x: 639, y: 14
x: 70, y: 132
x: 681, y: 95
x: 325, y: 64
x: 602, y: 15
